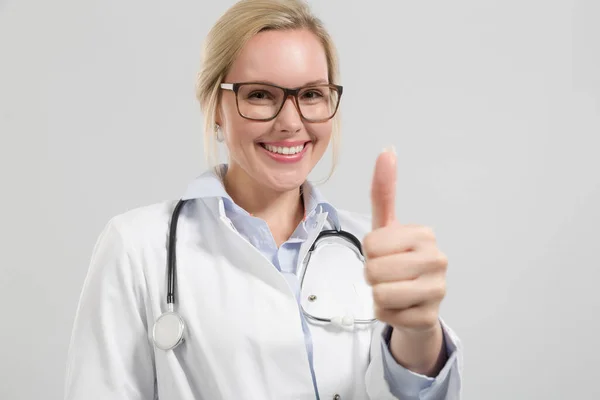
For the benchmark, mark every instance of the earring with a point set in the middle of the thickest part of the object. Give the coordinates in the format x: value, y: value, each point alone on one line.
x: 219, y: 133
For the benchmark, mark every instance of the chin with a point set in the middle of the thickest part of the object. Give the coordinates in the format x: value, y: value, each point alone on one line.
x: 285, y: 181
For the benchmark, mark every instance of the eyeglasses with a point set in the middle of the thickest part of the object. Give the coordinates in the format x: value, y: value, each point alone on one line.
x: 263, y: 102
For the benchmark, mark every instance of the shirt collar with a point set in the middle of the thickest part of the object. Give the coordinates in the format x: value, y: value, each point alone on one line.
x: 209, y: 185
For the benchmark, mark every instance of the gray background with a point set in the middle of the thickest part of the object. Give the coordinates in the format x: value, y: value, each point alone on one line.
x: 493, y: 106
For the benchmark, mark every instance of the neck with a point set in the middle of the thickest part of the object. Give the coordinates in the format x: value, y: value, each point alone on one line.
x: 282, y: 211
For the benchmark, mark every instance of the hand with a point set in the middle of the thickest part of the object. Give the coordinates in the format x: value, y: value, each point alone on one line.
x: 404, y: 267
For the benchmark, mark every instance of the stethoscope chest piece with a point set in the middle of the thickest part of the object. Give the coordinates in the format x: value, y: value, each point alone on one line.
x: 168, y: 331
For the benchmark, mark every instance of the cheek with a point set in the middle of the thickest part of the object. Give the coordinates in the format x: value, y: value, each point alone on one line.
x: 322, y: 132
x: 242, y: 132
x: 237, y: 129
x: 227, y: 110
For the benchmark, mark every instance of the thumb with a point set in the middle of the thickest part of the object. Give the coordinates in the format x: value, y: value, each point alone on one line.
x: 383, y: 189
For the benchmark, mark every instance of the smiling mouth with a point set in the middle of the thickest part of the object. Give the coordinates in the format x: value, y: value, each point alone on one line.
x: 283, y: 149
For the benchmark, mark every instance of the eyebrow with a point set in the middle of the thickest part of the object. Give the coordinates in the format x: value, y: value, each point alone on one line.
x: 310, y: 83
x: 317, y: 82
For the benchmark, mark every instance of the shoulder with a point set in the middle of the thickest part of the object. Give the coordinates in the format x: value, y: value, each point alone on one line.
x: 149, y: 225
x: 143, y: 220
x: 137, y: 230
x: 131, y: 242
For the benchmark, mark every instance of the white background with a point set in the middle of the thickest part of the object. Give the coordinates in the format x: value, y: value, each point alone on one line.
x: 493, y: 107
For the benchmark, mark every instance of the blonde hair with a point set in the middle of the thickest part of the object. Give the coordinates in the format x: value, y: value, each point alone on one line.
x: 229, y: 35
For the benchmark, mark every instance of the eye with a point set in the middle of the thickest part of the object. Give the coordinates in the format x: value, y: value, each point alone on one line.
x: 259, y: 95
x: 312, y: 94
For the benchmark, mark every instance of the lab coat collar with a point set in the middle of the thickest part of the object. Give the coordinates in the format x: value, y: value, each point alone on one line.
x: 209, y: 185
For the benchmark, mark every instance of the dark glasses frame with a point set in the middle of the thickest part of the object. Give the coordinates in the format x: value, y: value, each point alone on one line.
x: 235, y: 87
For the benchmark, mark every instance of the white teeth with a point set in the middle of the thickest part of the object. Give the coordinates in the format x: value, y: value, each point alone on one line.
x: 284, y: 150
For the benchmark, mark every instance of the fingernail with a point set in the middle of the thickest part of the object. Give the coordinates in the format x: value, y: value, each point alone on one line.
x: 391, y: 149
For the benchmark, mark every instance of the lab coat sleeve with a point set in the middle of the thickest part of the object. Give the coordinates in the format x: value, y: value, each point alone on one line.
x: 110, y: 356
x: 386, y: 379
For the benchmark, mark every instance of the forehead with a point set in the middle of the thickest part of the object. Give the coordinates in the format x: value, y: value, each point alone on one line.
x: 288, y: 58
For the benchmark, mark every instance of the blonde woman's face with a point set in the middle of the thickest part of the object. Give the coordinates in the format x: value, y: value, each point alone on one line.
x: 279, y: 153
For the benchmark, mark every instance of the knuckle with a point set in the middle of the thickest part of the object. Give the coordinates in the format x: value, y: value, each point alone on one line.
x: 427, y: 318
x: 379, y: 295
x: 424, y: 318
x: 371, y: 272
x: 369, y: 244
x: 409, y: 318
x: 375, y: 269
x: 427, y: 232
x: 432, y: 317
x: 440, y: 260
x: 380, y: 314
x: 439, y: 291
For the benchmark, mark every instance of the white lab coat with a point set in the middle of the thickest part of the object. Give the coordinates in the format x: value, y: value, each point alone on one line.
x: 243, y: 336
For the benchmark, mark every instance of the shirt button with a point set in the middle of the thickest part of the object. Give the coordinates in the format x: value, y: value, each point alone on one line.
x: 315, y: 224
x: 337, y: 397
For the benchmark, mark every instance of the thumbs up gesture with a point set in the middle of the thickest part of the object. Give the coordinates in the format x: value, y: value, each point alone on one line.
x: 406, y: 270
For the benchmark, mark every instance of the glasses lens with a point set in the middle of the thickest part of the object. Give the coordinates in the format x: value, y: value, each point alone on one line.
x: 258, y: 101
x: 262, y: 102
x: 318, y: 102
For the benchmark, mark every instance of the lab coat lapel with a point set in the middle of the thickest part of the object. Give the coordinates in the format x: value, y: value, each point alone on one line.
x: 252, y: 260
x: 287, y: 370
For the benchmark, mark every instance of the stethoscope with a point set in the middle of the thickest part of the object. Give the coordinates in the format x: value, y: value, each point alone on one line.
x: 169, y: 328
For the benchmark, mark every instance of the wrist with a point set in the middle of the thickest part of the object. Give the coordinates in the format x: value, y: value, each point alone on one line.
x: 419, y: 350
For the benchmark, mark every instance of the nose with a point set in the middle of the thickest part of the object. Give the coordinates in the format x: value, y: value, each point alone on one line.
x: 289, y: 119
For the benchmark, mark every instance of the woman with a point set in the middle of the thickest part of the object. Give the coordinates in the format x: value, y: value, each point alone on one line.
x: 241, y: 236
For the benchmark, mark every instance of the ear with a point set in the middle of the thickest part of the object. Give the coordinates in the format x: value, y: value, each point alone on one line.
x: 218, y: 118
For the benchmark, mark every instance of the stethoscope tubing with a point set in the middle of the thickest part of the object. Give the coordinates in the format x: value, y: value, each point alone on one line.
x: 171, y: 256
x: 177, y: 324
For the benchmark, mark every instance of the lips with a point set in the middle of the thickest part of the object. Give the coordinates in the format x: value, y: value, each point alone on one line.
x: 285, y: 148
x: 285, y: 152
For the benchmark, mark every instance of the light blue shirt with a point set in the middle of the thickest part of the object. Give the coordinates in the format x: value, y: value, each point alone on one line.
x: 285, y: 258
